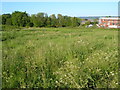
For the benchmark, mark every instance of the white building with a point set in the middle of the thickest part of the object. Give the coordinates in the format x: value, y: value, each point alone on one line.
x: 111, y: 22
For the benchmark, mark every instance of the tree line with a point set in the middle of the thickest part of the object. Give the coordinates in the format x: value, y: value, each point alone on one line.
x: 23, y: 19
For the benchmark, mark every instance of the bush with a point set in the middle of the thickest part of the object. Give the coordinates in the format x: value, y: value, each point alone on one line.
x: 10, y: 28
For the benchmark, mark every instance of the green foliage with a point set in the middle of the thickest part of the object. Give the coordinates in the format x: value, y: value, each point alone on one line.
x: 22, y: 19
x: 40, y: 17
x: 53, y: 20
x: 0, y: 19
x: 75, y: 22
x: 48, y: 22
x: 10, y: 28
x: 88, y: 23
x: 6, y: 19
x: 60, y: 57
x: 62, y: 20
x: 9, y: 21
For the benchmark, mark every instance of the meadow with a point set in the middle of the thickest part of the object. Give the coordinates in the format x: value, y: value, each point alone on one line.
x: 60, y: 57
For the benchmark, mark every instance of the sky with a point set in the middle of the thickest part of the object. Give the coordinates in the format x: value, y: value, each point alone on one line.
x: 65, y: 8
x: 60, y: 0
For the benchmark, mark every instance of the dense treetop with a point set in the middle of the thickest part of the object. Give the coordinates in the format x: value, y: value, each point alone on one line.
x: 23, y: 19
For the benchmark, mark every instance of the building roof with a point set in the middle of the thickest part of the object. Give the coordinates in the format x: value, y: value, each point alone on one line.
x: 110, y: 18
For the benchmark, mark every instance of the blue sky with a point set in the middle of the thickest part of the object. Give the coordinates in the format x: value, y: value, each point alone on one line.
x: 64, y: 8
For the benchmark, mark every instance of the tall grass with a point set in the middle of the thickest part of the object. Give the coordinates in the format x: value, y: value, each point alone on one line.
x: 60, y: 57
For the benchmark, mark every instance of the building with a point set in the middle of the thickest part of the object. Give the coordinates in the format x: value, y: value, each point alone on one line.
x: 110, y: 22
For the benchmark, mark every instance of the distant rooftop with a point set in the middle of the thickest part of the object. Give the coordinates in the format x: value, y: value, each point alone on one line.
x: 109, y: 18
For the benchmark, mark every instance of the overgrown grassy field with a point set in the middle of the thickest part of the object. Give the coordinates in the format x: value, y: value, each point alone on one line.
x: 60, y: 57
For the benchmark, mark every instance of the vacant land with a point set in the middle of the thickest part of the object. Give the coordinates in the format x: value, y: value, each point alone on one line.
x: 60, y: 57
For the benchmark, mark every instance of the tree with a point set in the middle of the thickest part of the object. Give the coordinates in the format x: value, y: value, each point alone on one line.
x: 75, y: 21
x: 88, y: 23
x: 8, y: 21
x: 39, y: 20
x: 53, y: 20
x: 20, y: 18
x: 60, y: 20
x: 48, y: 22
x: 30, y: 23
x: 45, y: 19
x: 95, y: 21
x: 34, y: 20
x: 0, y: 19
x: 6, y: 18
